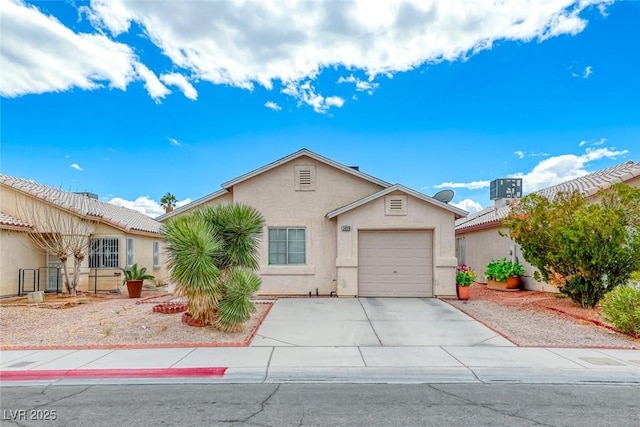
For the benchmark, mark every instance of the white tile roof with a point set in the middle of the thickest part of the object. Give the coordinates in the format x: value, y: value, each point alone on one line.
x: 8, y: 220
x: 120, y: 217
x: 588, y: 185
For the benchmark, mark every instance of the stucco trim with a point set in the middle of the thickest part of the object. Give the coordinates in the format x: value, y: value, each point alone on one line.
x: 307, y: 153
x: 459, y: 213
x: 195, y: 203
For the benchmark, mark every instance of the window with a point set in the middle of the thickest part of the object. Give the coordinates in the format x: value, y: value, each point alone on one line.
x: 287, y: 246
x: 129, y: 252
x: 104, y: 253
x: 461, y: 250
x: 156, y: 254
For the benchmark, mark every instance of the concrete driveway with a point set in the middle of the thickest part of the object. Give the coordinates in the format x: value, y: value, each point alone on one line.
x: 362, y: 322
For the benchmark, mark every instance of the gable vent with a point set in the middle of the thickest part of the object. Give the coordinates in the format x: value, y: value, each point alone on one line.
x: 395, y: 205
x: 305, y: 178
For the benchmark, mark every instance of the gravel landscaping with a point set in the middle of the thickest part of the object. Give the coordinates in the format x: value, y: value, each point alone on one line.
x: 110, y: 321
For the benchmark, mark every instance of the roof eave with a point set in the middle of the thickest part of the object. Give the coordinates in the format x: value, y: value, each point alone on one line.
x: 459, y: 213
x: 192, y: 205
x: 308, y: 153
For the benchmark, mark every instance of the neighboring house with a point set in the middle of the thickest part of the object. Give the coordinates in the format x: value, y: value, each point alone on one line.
x: 478, y: 239
x: 117, y: 238
x: 332, y: 228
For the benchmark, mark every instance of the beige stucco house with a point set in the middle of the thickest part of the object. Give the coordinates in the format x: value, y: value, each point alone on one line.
x: 477, y: 236
x: 117, y: 237
x: 331, y: 228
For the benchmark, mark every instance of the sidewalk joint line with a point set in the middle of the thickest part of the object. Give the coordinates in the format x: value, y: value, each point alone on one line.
x: 370, y: 324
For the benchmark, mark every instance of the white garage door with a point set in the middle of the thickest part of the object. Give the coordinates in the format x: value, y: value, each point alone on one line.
x: 395, y: 263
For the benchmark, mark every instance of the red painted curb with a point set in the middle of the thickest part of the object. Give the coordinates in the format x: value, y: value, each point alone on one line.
x: 112, y: 373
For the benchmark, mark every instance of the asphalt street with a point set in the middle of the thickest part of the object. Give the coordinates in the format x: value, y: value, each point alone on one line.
x: 322, y: 405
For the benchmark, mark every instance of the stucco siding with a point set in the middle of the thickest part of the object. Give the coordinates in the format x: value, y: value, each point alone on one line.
x: 420, y: 216
x: 482, y: 246
x: 273, y: 193
x: 16, y: 252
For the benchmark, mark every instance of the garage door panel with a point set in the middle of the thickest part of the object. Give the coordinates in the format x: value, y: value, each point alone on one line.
x: 395, y: 263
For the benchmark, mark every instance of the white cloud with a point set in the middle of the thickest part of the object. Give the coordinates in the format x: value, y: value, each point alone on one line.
x: 39, y: 54
x: 594, y: 142
x: 245, y: 43
x: 468, y: 205
x: 587, y: 72
x: 75, y: 166
x: 181, y: 82
x: 272, y: 105
x: 174, y: 142
x: 519, y: 153
x: 305, y: 94
x: 144, y: 204
x: 550, y: 171
x: 361, y: 85
x: 475, y: 185
x: 153, y: 85
x: 557, y: 169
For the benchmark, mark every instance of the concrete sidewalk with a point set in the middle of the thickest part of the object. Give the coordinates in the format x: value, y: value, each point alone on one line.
x: 437, y: 364
x: 351, y: 340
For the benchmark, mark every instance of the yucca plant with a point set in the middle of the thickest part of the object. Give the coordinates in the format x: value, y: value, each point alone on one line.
x: 191, y: 248
x: 213, y: 254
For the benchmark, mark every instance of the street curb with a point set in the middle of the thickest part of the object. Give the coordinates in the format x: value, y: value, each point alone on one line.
x: 48, y: 375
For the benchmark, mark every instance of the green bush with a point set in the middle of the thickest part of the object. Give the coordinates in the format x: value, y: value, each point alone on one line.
x: 621, y: 307
x: 500, y: 269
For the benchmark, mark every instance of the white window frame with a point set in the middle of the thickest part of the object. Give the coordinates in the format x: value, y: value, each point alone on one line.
x: 156, y: 254
x: 104, y: 252
x: 130, y: 252
x: 287, y: 241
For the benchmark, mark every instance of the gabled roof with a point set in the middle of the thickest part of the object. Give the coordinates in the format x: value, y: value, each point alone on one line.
x: 303, y: 152
x: 192, y: 205
x: 588, y: 185
x: 307, y: 153
x: 397, y: 187
x: 84, y: 206
x: 10, y: 222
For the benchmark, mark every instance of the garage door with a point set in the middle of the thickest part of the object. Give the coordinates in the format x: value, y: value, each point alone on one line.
x: 395, y: 263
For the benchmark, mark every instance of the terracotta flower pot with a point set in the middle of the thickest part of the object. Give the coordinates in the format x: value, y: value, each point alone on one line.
x: 513, y: 282
x: 463, y: 292
x: 134, y: 288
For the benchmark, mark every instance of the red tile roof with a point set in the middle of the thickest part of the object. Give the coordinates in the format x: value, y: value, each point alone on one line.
x: 121, y: 217
x: 8, y: 220
x: 587, y: 185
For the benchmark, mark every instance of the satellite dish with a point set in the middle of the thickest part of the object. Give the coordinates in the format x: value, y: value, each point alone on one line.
x: 444, y: 196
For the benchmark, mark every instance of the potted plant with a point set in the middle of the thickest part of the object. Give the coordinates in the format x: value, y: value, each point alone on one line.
x: 134, y: 278
x: 503, y: 274
x: 465, y: 277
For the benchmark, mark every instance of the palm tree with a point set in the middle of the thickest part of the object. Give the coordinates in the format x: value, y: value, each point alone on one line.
x: 168, y: 202
x: 213, y: 256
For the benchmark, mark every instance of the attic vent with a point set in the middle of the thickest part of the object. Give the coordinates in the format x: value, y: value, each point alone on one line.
x: 395, y: 205
x: 305, y: 178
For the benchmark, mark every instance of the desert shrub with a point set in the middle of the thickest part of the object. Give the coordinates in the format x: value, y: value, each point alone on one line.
x: 586, y: 247
x: 621, y: 307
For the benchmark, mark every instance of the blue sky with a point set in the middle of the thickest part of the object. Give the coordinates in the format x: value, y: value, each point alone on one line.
x: 131, y: 100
